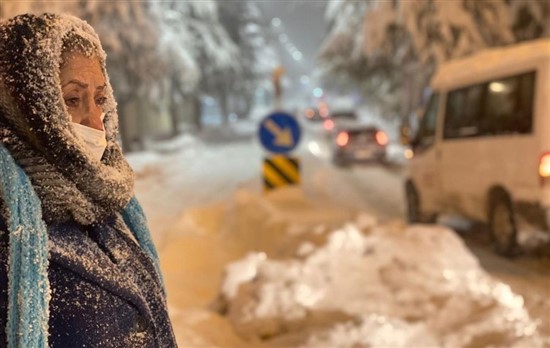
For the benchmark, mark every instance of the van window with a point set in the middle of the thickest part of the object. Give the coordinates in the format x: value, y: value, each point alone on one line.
x: 509, y: 105
x: 426, y: 131
x: 501, y: 106
x: 462, y: 114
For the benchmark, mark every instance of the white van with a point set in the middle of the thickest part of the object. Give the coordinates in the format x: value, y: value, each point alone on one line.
x: 482, y: 149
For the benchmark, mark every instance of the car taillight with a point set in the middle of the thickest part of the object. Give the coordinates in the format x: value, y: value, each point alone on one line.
x: 328, y: 124
x: 342, y: 139
x: 544, y: 166
x: 381, y: 138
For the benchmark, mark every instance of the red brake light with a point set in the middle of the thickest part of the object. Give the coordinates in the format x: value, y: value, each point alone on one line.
x: 544, y: 166
x: 328, y: 124
x: 381, y: 138
x: 342, y: 139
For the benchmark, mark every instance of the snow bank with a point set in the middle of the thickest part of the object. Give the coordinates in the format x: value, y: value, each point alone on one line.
x: 373, y: 285
x: 205, y: 239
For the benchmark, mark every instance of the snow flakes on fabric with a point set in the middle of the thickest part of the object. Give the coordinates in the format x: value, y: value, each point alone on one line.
x: 28, y: 287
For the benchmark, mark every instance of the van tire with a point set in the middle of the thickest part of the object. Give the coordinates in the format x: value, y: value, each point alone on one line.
x: 413, y: 204
x: 502, y: 224
x: 414, y: 211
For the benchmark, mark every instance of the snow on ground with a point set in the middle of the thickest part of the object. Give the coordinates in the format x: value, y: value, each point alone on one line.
x: 247, y: 269
x: 366, y: 284
x: 186, y: 173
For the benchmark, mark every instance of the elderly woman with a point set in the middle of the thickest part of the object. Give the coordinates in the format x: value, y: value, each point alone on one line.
x: 77, y: 265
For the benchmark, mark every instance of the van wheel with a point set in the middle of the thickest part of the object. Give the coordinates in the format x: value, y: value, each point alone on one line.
x: 503, y: 226
x: 414, y: 211
x: 413, y: 204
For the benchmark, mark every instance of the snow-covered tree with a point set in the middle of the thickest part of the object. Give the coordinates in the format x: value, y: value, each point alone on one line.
x: 442, y: 30
x: 226, y: 40
x: 130, y: 35
x: 530, y: 19
x: 344, y: 63
x: 179, y: 52
x: 343, y: 43
x: 247, y: 28
x: 403, y: 41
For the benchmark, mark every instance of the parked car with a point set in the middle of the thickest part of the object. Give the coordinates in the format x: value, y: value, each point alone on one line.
x: 339, y: 119
x: 359, y: 144
x: 482, y: 149
x: 317, y: 113
x: 312, y: 114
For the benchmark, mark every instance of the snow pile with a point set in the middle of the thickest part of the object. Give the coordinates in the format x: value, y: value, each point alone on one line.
x: 376, y: 286
x: 195, y: 249
x: 374, y: 331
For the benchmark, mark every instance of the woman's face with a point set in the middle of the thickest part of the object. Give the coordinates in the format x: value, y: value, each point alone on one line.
x: 83, y: 85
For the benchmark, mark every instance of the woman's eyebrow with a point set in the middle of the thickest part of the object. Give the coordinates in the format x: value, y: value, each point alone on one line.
x: 100, y: 88
x: 80, y: 83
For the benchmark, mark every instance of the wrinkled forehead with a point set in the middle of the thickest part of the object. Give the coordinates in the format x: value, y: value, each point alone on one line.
x: 82, y: 69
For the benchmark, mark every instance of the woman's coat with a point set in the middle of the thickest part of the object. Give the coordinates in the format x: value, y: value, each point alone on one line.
x: 104, y: 290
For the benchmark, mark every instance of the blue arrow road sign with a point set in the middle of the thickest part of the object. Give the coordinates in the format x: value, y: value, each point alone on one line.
x: 279, y: 132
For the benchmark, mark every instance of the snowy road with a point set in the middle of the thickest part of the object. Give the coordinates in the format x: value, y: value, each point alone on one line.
x: 378, y: 189
x: 179, y: 179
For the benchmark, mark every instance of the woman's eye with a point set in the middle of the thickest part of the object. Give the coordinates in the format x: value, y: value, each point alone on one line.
x: 72, y: 101
x: 101, y: 100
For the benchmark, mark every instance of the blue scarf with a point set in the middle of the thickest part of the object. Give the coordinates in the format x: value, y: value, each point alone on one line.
x: 28, y: 286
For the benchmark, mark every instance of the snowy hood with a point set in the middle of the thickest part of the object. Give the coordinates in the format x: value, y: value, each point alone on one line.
x: 30, y: 58
x: 35, y: 123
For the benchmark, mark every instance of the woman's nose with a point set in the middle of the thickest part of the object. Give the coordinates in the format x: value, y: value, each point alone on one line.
x: 94, y: 119
x: 96, y: 122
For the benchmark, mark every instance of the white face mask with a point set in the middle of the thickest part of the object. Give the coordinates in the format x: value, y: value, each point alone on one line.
x: 95, y: 140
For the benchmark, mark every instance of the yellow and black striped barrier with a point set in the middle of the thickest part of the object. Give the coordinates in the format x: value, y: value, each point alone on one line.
x: 279, y: 171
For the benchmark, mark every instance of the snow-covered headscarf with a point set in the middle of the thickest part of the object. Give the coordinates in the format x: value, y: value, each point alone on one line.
x: 46, y: 174
x: 35, y: 124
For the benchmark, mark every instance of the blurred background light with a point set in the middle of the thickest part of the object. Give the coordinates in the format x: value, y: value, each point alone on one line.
x: 276, y: 22
x: 318, y: 92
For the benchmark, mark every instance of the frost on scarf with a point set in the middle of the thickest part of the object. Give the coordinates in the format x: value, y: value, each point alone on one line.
x: 28, y: 286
